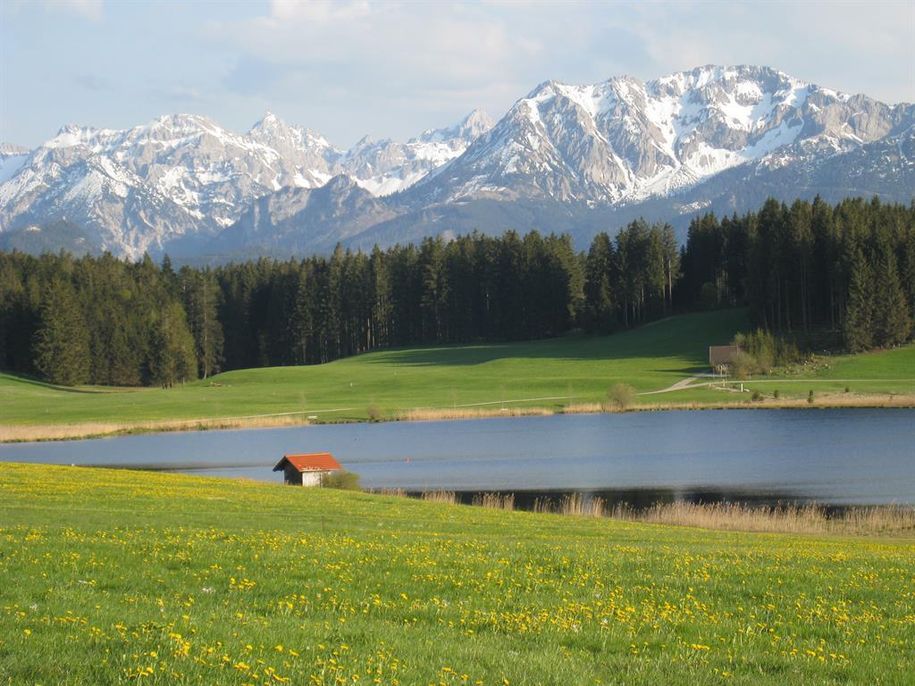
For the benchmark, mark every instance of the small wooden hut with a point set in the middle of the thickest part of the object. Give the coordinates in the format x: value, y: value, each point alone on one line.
x: 722, y: 357
x: 307, y: 469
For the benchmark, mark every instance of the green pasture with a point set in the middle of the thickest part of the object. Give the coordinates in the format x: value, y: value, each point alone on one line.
x: 549, y: 373
x: 546, y: 373
x: 117, y: 577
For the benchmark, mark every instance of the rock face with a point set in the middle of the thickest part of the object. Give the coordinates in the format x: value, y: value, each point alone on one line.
x: 564, y: 157
x: 623, y: 140
x: 183, y: 177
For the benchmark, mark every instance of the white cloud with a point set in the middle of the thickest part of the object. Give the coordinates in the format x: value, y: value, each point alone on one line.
x: 403, y: 66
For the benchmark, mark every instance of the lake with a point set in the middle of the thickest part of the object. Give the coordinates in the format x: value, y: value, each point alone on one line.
x: 835, y: 457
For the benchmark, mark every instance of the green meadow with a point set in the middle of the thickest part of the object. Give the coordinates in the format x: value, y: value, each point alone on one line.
x: 554, y: 374
x: 117, y: 577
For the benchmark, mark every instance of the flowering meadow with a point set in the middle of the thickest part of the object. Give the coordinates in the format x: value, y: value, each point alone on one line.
x: 117, y: 577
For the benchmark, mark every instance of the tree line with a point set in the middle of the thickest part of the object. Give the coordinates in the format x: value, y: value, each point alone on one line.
x: 102, y: 320
x: 810, y: 267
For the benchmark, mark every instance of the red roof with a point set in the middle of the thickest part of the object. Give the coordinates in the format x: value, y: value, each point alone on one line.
x: 311, y: 462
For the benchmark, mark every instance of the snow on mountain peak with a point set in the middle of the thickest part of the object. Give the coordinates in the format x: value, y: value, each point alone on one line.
x: 617, y: 141
x: 623, y: 139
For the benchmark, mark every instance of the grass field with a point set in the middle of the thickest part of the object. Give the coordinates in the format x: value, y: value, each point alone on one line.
x: 112, y: 577
x: 555, y: 374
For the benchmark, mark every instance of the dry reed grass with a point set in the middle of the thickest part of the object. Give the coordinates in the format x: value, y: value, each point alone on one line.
x: 495, y: 501
x: 881, y: 520
x: 422, y: 414
x: 800, y: 519
x: 572, y: 504
x: 62, y: 432
x: 399, y: 492
x: 584, y: 408
x: 447, y: 497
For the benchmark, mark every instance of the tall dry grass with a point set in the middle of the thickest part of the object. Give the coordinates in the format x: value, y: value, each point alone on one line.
x: 800, y: 519
x: 447, y: 497
x: 495, y: 501
x: 890, y: 520
x: 424, y: 414
x: 60, y: 432
x: 571, y: 504
x: 399, y: 492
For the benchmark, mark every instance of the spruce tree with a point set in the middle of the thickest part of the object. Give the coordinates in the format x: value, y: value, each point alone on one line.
x: 892, y: 322
x: 599, y: 301
x: 859, y: 314
x: 172, y: 357
x: 62, y: 340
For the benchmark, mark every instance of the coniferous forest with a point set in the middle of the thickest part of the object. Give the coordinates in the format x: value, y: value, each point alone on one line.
x: 811, y: 269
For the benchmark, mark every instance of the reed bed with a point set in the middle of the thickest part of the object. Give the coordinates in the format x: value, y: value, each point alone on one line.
x: 802, y: 519
x: 62, y: 432
x: 399, y: 492
x: 447, y: 497
x: 425, y: 414
x: 495, y: 501
x: 893, y: 520
x: 572, y: 504
x: 584, y: 408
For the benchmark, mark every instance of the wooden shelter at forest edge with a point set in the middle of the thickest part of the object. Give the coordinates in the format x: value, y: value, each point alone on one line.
x: 307, y: 470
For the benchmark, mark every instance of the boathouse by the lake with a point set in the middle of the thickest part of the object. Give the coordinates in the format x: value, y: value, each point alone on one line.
x: 721, y: 357
x: 307, y: 469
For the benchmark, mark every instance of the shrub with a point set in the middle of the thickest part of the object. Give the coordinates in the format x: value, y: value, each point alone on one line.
x: 743, y: 366
x: 775, y: 394
x: 343, y: 480
x: 374, y: 412
x: 621, y: 395
x: 810, y: 397
x: 760, y: 351
x: 757, y: 396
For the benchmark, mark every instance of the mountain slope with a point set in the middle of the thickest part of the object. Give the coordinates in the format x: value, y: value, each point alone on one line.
x: 576, y: 158
x: 300, y: 220
x: 183, y: 178
x: 623, y: 140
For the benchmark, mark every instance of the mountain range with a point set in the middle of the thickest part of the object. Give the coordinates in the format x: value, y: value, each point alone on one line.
x: 571, y: 158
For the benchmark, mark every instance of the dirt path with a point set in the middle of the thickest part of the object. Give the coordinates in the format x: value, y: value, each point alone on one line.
x: 681, y: 385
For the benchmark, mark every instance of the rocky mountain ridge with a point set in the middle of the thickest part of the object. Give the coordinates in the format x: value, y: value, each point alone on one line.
x: 564, y: 157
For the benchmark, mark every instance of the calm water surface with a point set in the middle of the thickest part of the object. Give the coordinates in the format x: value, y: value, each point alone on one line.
x: 839, y: 457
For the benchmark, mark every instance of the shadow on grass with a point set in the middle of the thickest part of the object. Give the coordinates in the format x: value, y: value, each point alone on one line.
x: 685, y: 336
x: 53, y: 387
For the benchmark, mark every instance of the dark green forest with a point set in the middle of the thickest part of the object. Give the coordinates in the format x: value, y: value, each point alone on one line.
x: 809, y: 271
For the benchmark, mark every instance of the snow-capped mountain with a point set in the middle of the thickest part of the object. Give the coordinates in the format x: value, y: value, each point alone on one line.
x: 624, y: 140
x: 386, y: 167
x: 12, y: 157
x: 137, y: 189
x: 577, y: 158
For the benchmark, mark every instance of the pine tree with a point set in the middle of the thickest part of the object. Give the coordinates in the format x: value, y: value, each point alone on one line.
x: 62, y: 340
x: 201, y: 297
x: 600, y: 312
x: 859, y: 314
x: 892, y: 321
x: 172, y: 358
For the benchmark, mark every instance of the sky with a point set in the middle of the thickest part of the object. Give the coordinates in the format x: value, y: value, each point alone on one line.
x: 393, y: 69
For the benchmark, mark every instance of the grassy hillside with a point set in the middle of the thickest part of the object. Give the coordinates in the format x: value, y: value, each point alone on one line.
x: 563, y: 369
x: 117, y: 577
x: 552, y: 374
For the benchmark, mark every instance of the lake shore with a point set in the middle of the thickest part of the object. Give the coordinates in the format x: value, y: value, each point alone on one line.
x: 24, y: 433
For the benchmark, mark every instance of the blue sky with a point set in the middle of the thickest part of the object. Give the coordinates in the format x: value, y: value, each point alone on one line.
x: 392, y: 69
